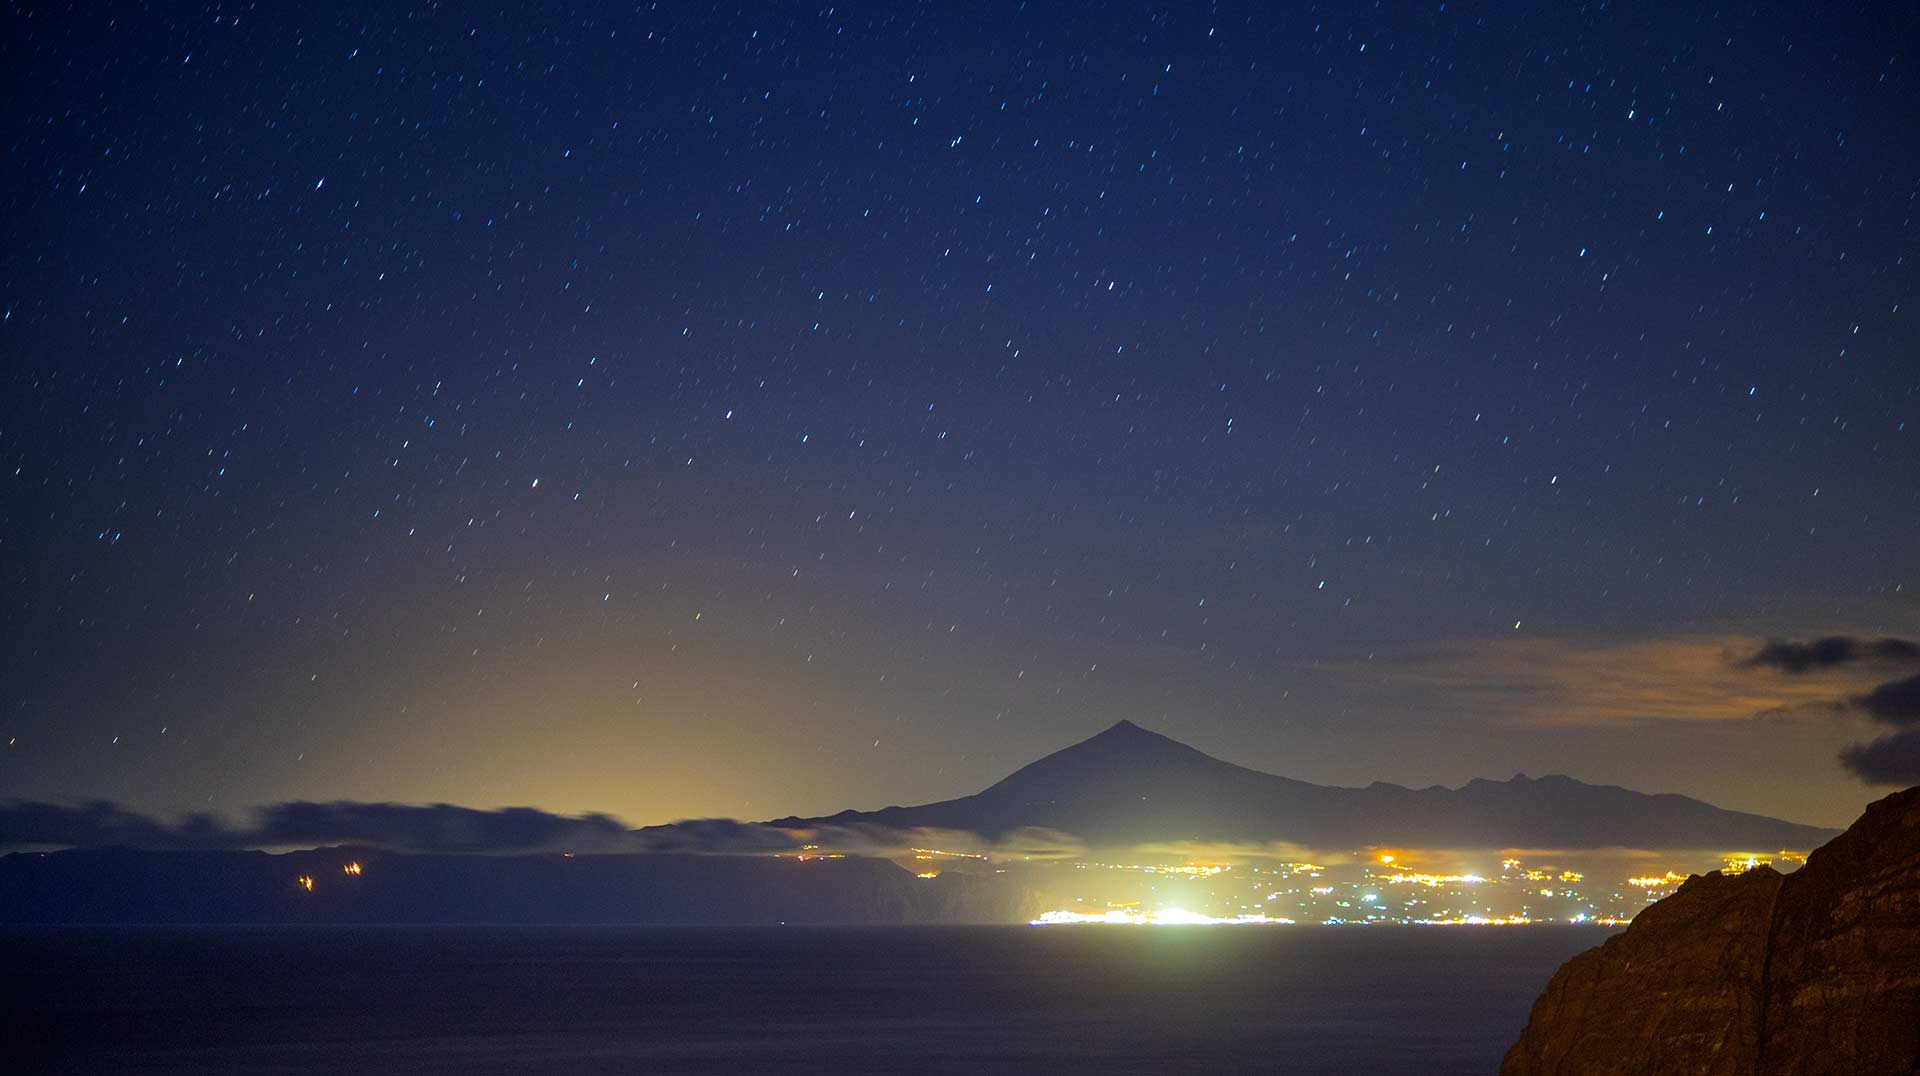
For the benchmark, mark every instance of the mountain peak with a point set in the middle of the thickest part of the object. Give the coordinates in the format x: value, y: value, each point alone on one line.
x: 1128, y: 738
x: 1125, y: 743
x: 1119, y: 759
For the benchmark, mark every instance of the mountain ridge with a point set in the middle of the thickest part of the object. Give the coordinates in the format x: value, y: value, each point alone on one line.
x: 1129, y: 785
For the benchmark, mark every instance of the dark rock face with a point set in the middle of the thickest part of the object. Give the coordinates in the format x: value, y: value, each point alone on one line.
x: 1813, y: 972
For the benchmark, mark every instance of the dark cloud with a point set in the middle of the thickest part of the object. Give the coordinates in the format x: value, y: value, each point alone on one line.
x: 1889, y: 760
x: 1893, y: 759
x: 1830, y: 652
x: 1897, y: 703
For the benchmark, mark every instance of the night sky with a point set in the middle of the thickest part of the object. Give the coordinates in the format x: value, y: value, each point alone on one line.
x: 679, y: 413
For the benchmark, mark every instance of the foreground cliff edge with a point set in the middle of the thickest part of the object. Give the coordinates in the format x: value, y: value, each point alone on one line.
x: 1813, y: 972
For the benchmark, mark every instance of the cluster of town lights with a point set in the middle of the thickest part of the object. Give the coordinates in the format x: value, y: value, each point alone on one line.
x: 1371, y: 903
x: 351, y: 870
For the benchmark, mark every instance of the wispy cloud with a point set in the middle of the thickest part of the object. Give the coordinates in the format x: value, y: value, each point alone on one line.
x: 1547, y: 682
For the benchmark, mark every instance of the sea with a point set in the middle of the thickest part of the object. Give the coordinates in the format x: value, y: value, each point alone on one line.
x: 422, y: 1001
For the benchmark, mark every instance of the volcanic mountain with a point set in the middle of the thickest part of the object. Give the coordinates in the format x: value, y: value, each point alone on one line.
x: 1129, y: 786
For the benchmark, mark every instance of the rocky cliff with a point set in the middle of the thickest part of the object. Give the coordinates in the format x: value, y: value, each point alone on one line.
x: 1757, y: 973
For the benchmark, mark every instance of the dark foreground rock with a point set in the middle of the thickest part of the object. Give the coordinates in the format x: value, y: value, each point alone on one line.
x: 1756, y: 973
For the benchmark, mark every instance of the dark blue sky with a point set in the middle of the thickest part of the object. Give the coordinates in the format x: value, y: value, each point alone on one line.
x: 672, y: 412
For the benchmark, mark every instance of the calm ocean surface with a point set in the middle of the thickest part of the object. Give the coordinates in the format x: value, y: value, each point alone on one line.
x: 589, y: 1000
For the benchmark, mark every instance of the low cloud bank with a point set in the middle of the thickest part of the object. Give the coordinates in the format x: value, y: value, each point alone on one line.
x: 104, y: 825
x: 438, y: 827
x: 446, y: 828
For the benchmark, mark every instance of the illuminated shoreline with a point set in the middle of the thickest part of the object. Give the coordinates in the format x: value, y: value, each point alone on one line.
x: 1175, y: 917
x: 1398, y: 887
x: 1170, y: 917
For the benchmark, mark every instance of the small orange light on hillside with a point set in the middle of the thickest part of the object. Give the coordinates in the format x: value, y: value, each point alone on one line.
x: 351, y: 868
x: 306, y: 882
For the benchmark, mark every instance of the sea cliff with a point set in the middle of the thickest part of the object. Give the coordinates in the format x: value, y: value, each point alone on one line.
x: 1756, y: 973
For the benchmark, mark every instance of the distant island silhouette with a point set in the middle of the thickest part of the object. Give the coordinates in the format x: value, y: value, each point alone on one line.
x: 1129, y: 785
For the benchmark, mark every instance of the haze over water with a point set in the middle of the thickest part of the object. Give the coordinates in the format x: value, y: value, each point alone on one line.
x: 592, y: 1000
